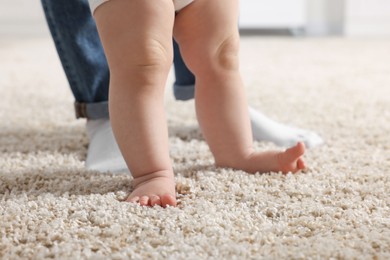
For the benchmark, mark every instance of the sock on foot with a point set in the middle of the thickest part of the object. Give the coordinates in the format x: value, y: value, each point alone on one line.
x: 103, y: 152
x: 265, y: 129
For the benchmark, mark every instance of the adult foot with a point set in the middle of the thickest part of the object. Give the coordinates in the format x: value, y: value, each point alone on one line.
x: 153, y: 189
x: 265, y: 129
x: 103, y: 152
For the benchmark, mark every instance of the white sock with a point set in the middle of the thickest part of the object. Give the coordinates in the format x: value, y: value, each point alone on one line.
x: 103, y: 152
x: 265, y: 129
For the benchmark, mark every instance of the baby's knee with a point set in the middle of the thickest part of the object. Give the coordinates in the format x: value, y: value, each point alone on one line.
x: 144, y: 58
x: 226, y: 56
x: 154, y: 54
x: 217, y: 57
x: 211, y: 56
x: 146, y: 64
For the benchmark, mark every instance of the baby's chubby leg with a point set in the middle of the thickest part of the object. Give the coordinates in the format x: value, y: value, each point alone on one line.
x: 137, y: 39
x: 210, y: 49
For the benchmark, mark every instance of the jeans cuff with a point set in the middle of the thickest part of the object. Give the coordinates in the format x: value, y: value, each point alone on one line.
x: 97, y: 110
x: 183, y: 92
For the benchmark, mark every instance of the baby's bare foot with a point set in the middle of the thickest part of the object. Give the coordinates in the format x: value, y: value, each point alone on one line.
x: 271, y: 161
x: 290, y: 160
x: 156, y: 188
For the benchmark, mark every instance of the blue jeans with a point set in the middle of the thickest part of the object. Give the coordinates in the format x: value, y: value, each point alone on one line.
x: 78, y: 45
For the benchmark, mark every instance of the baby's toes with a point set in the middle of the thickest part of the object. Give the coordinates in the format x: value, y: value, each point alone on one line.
x: 301, y: 164
x: 291, y: 154
x: 168, y: 200
x: 155, y: 200
x: 144, y: 201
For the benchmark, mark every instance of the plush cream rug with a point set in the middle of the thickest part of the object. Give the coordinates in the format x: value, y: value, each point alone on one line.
x: 51, y: 207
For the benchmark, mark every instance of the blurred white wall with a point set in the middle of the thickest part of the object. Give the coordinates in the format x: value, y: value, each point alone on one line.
x: 348, y: 17
x: 325, y: 17
x: 22, y: 18
x: 272, y: 14
x: 367, y: 17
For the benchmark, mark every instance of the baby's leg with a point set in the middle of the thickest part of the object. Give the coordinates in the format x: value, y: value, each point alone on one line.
x: 137, y: 38
x: 210, y: 48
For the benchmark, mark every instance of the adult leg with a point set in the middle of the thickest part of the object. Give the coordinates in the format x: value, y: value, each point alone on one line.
x: 137, y: 38
x: 81, y: 54
x: 184, y: 86
x: 78, y: 45
x: 210, y: 48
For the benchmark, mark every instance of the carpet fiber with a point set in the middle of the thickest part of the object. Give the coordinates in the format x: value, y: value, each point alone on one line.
x: 51, y: 207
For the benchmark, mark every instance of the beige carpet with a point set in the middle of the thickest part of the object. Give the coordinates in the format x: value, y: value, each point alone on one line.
x: 51, y: 207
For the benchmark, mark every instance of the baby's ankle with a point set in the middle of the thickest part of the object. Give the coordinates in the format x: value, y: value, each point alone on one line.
x: 162, y: 174
x: 238, y: 160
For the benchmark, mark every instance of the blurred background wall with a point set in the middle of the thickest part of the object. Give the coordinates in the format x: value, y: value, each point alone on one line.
x: 21, y: 18
x: 308, y: 17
